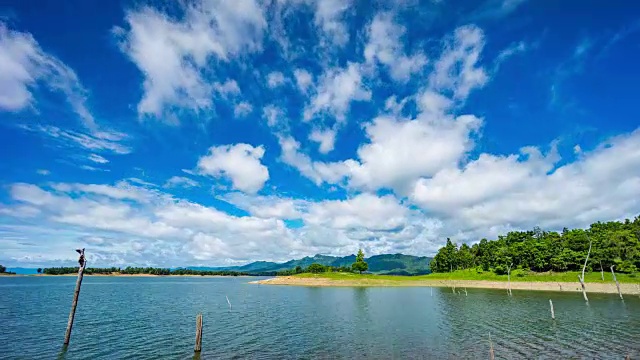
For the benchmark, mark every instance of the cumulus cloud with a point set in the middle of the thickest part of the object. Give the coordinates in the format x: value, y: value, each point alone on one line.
x: 240, y: 163
x: 242, y: 109
x: 457, y: 71
x: 173, y: 53
x: 529, y: 189
x: 325, y: 138
x: 385, y: 46
x: 337, y: 88
x: 303, y: 79
x: 275, y: 79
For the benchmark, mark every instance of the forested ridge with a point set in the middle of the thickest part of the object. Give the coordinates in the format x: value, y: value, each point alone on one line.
x: 613, y: 243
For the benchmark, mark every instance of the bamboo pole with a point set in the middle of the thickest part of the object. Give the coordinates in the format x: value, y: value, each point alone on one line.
x: 198, y: 346
x: 72, y: 314
x: 617, y: 283
x: 581, y: 278
x: 553, y: 314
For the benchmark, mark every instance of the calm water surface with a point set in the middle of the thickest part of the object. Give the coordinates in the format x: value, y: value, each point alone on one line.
x: 154, y: 318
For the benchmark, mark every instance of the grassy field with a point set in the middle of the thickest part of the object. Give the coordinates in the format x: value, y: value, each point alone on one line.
x: 516, y: 275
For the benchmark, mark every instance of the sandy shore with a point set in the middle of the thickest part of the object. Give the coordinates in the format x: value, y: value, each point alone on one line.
x: 520, y: 285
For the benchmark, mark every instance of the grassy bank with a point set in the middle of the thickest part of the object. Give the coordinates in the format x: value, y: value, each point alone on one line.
x: 567, y: 282
x: 516, y: 276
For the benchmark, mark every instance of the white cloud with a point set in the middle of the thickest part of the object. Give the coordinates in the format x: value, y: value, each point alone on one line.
x: 326, y: 139
x: 362, y: 211
x: 577, y: 149
x: 267, y: 207
x: 108, y: 141
x: 496, y: 9
x: 521, y: 192
x: 97, y: 159
x: 336, y: 90
x: 329, y: 17
x: 174, y: 55
x: 24, y: 65
x: 242, y: 109
x: 229, y: 87
x: 513, y: 49
x: 457, y: 70
x: 274, y: 116
x: 43, y: 172
x: 402, y: 151
x: 303, y: 79
x: 275, y: 79
x: 180, y: 181
x: 240, y: 163
x: 385, y: 46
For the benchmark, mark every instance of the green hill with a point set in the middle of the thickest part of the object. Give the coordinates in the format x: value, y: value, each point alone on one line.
x: 391, y: 264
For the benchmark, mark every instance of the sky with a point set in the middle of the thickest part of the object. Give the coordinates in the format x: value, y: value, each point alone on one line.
x: 218, y: 133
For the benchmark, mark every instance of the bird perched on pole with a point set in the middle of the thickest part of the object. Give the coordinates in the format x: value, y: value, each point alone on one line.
x: 81, y: 259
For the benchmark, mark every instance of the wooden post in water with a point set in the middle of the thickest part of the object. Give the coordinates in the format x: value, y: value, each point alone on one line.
x: 581, y: 278
x: 617, y: 283
x: 553, y: 314
x: 198, y: 346
x: 83, y: 263
x: 509, y: 278
x: 491, y: 354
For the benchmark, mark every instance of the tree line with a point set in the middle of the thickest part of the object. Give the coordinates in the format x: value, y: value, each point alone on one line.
x: 614, y: 243
x: 144, y: 270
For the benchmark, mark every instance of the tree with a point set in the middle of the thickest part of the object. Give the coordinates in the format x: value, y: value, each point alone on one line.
x: 39, y: 270
x: 316, y: 268
x: 360, y: 265
x: 2, y: 269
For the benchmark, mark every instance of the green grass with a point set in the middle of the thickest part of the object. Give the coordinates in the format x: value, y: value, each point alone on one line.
x: 516, y: 275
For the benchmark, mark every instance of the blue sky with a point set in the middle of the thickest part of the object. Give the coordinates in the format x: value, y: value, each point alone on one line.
x: 218, y: 133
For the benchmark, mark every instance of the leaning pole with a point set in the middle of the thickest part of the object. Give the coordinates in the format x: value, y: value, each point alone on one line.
x: 83, y: 263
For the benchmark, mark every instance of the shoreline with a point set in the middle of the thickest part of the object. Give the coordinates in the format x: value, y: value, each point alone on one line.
x: 600, y: 288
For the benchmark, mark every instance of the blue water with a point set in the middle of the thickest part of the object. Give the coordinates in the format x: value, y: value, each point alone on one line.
x: 154, y: 318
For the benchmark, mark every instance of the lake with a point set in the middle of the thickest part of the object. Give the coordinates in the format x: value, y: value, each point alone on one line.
x: 154, y: 317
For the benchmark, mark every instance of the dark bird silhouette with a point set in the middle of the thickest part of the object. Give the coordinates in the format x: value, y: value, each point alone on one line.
x: 81, y: 259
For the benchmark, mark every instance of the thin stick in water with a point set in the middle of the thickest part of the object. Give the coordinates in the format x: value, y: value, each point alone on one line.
x: 617, y: 283
x: 553, y: 314
x: 465, y: 292
x: 198, y: 347
x: 491, y: 354
x: 228, y: 302
x: 72, y: 314
x: 581, y: 278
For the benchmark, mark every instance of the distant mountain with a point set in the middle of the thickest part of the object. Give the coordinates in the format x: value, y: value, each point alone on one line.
x: 392, y: 264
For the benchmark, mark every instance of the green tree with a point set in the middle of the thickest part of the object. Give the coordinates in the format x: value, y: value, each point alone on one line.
x: 360, y: 265
x: 2, y: 269
x: 316, y: 268
x: 39, y: 270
